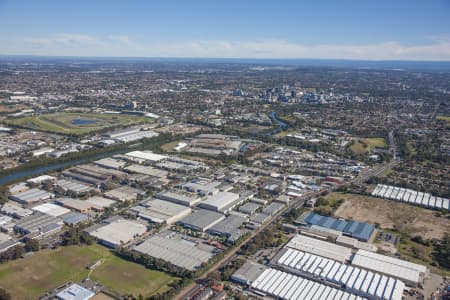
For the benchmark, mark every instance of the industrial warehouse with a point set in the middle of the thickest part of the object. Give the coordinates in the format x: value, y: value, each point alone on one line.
x: 180, y: 197
x: 187, y: 253
x: 220, y: 202
x: 355, y: 280
x: 411, y: 197
x: 202, y: 219
x: 159, y: 211
x: 51, y: 209
x: 31, y: 196
x: 354, y: 229
x: 230, y: 227
x: 114, y: 232
x: 324, y: 265
x: 286, y: 286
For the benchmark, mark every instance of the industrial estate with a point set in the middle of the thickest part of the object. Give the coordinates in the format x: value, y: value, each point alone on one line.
x: 246, y: 197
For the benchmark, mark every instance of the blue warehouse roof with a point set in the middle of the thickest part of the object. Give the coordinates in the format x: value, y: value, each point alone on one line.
x: 359, y: 230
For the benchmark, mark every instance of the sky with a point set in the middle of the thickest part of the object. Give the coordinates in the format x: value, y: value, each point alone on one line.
x: 324, y: 29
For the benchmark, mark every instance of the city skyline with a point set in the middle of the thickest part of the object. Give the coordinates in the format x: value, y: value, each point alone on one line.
x: 381, y: 30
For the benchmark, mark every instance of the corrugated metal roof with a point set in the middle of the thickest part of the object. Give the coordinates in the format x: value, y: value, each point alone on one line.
x: 395, y: 267
x: 354, y: 279
x: 358, y: 230
x: 283, y: 285
x: 319, y: 247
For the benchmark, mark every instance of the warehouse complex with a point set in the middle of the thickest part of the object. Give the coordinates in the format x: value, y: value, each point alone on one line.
x: 72, y: 187
x: 39, y: 223
x: 230, y: 227
x: 31, y: 196
x: 159, y: 211
x: 220, y: 202
x: 355, y: 280
x: 310, y: 268
x: 180, y: 197
x: 202, y: 220
x: 320, y: 247
x: 411, y: 197
x: 110, y: 163
x: 358, y: 230
x: 248, y: 272
x: 145, y: 156
x: 187, y: 253
x: 249, y: 208
x: 181, y: 212
x: 51, y: 209
x: 214, y: 144
x: 410, y: 273
x: 283, y: 285
x: 147, y: 170
x: 131, y: 134
x: 116, y: 231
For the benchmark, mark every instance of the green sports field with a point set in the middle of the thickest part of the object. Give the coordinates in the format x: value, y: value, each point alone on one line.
x: 444, y: 118
x: 367, y: 144
x: 76, y: 123
x: 31, y: 277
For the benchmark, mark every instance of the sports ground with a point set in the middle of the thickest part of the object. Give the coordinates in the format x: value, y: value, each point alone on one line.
x: 33, y: 276
x: 76, y: 123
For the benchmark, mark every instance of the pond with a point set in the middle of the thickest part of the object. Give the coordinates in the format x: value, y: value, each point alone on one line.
x: 83, y: 121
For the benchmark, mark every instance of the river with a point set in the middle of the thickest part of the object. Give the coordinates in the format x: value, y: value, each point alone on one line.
x: 9, y: 178
x: 281, y: 125
x: 16, y: 176
x: 37, y: 171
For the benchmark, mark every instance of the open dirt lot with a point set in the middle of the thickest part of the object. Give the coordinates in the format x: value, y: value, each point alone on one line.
x: 390, y: 214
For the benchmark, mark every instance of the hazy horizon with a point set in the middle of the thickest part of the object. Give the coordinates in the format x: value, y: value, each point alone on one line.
x: 379, y: 30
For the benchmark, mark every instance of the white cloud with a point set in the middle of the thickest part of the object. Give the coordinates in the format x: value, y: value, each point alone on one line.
x: 120, y: 38
x: 62, y: 39
x: 438, y: 48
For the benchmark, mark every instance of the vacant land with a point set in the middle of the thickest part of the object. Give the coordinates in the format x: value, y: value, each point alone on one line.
x: 358, y: 148
x: 76, y: 123
x: 170, y: 146
x: 392, y: 215
x: 49, y: 269
x: 126, y: 277
x: 444, y: 118
x: 253, y: 129
x: 361, y: 146
x: 375, y: 142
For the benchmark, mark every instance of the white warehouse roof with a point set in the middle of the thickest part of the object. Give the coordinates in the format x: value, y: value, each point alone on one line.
x: 75, y: 292
x: 119, y: 231
x: 39, y: 179
x: 176, y: 249
x: 356, y: 280
x: 411, y: 273
x: 283, y: 285
x: 319, y: 247
x: 32, y: 195
x: 51, y: 209
x: 410, y: 197
x: 146, y: 155
x: 221, y: 201
x: 160, y: 211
